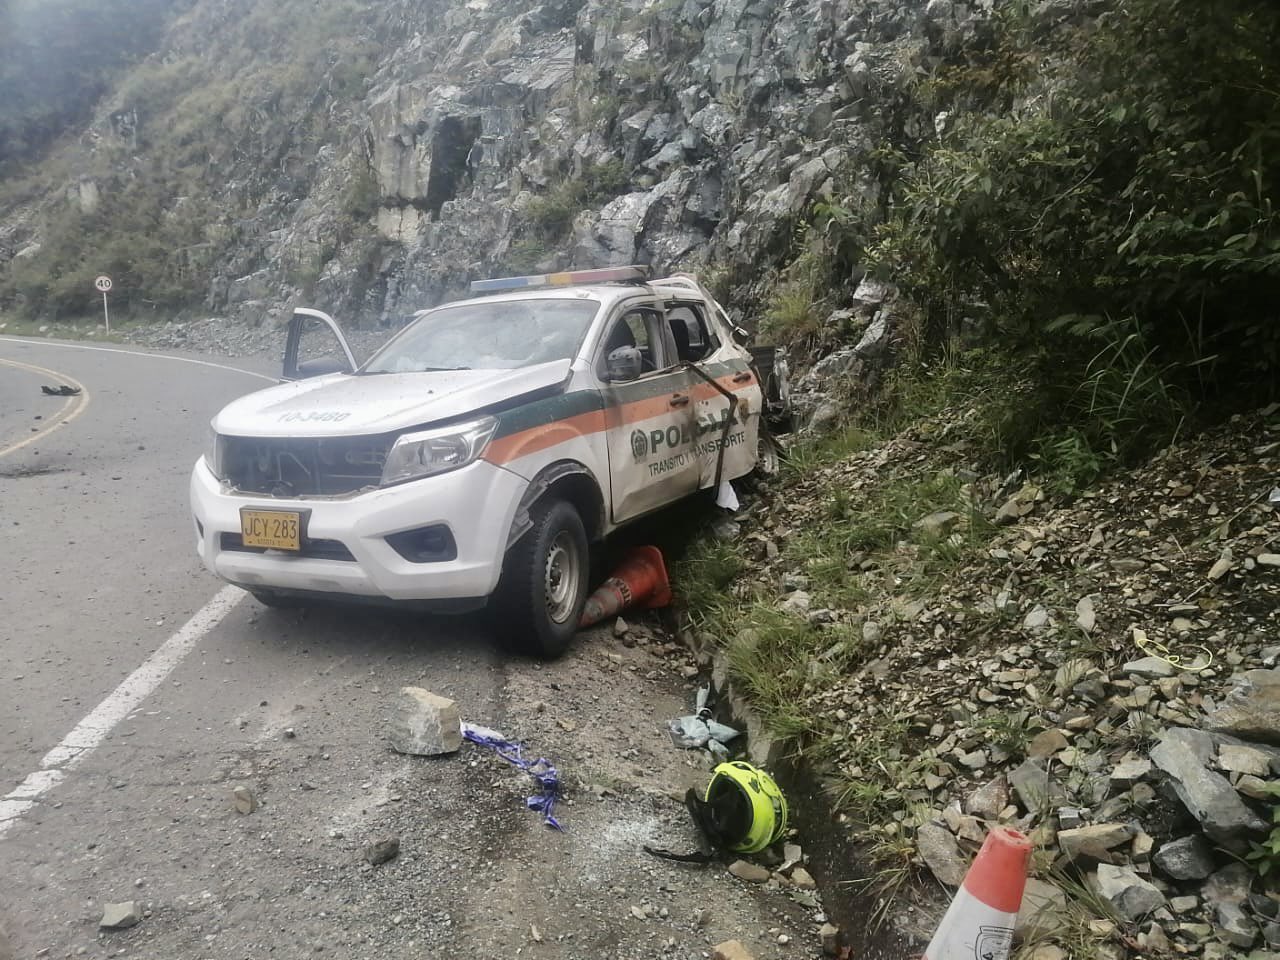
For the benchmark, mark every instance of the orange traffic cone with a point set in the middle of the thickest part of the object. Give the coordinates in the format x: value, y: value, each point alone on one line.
x: 642, y: 578
x: 979, y: 922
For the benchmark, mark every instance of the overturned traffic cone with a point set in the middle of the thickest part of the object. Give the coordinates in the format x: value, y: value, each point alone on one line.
x: 642, y: 578
x: 979, y: 923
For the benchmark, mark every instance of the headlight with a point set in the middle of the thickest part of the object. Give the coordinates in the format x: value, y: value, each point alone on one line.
x: 213, y: 448
x: 429, y: 452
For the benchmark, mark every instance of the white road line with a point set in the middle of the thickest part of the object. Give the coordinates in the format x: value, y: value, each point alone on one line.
x: 123, y: 700
x: 137, y: 353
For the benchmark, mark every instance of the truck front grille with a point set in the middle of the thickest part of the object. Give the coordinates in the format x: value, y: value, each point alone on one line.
x: 297, y: 467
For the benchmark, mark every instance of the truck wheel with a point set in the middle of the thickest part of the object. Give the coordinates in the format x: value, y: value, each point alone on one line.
x: 544, y: 582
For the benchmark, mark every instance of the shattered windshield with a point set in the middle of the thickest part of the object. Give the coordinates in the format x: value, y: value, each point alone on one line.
x: 488, y: 336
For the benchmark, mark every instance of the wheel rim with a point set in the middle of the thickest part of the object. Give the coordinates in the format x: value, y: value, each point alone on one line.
x: 563, y: 575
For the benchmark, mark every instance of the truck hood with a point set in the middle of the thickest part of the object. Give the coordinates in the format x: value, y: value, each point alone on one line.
x: 344, y: 405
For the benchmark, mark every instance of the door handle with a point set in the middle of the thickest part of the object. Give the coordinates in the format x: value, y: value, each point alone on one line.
x: 741, y: 377
x: 679, y: 400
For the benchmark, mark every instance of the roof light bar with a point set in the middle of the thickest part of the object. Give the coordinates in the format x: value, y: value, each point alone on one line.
x: 632, y: 274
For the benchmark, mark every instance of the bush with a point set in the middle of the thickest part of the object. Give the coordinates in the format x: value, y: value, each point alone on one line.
x: 1136, y: 188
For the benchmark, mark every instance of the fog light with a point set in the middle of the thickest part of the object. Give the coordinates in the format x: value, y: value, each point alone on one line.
x: 433, y: 544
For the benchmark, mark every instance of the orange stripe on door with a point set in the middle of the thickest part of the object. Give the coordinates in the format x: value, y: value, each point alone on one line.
x: 538, y: 438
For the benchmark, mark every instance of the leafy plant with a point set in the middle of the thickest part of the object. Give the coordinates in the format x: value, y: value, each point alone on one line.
x: 1265, y: 856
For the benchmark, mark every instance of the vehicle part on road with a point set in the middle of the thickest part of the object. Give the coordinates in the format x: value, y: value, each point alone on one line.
x: 698, y: 729
x: 541, y: 769
x: 727, y: 497
x: 692, y: 733
x: 641, y: 579
x: 980, y: 920
x: 62, y: 390
x: 743, y: 811
x: 544, y: 582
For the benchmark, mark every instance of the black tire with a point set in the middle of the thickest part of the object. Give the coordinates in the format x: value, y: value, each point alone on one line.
x: 277, y: 601
x: 539, y: 600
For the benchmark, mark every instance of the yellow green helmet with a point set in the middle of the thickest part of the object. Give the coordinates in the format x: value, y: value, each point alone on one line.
x: 749, y: 810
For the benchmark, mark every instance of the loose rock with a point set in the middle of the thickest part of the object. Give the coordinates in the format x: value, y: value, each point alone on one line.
x: 1189, y: 858
x: 1132, y: 896
x: 118, y: 916
x: 244, y: 799
x: 941, y: 853
x: 380, y: 851
x: 731, y: 950
x: 1183, y: 755
x: 750, y: 872
x: 424, y: 724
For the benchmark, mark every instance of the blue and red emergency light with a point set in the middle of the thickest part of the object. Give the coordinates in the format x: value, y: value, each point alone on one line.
x: 631, y: 274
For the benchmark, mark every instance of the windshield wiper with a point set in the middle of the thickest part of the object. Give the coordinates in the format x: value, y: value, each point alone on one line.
x: 374, y: 373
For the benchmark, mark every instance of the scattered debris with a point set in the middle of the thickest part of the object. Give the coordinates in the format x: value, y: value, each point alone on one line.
x: 540, y: 769
x: 424, y: 724
x: 697, y: 730
x: 119, y: 916
x: 380, y: 851
x: 62, y: 390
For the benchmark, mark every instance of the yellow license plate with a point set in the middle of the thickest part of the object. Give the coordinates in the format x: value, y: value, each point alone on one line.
x: 273, y: 529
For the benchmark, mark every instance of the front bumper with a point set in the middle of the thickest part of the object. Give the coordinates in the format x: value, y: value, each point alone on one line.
x: 477, y: 504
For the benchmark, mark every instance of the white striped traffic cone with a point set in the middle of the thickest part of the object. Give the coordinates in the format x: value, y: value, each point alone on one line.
x: 979, y: 923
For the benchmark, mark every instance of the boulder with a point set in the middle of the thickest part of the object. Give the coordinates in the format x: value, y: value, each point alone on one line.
x: 424, y: 724
x: 1132, y: 896
x: 941, y: 853
x: 1094, y: 842
x: 1243, y: 759
x: 987, y: 801
x: 1183, y: 756
x: 1034, y: 787
x: 1043, y: 912
x: 1189, y: 858
x: 1226, y: 892
x: 1252, y: 709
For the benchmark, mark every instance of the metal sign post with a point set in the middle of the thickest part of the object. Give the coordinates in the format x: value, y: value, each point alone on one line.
x: 102, y: 285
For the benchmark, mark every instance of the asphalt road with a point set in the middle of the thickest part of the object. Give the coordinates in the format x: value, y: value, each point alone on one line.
x: 136, y: 691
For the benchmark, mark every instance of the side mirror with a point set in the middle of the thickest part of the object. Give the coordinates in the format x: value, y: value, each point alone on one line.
x: 624, y: 364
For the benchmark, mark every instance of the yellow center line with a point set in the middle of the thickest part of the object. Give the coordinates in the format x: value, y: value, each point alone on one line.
x: 79, y: 402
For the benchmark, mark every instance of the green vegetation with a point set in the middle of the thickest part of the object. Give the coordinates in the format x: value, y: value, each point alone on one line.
x: 1114, y: 213
x: 550, y: 215
x: 249, y: 100
x: 1264, y: 857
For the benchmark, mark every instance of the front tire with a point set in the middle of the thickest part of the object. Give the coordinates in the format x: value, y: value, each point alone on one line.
x: 544, y: 583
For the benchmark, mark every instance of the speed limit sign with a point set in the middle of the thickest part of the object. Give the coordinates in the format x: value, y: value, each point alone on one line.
x: 102, y: 285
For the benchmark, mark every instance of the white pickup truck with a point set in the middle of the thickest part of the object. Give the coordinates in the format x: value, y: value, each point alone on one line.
x: 476, y: 455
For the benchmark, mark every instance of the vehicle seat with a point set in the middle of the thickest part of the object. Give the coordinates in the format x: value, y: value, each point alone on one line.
x: 680, y: 333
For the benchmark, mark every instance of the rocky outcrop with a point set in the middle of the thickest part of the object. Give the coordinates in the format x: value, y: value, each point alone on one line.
x: 473, y: 146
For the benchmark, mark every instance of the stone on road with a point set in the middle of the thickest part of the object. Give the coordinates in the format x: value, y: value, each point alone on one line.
x: 118, y: 916
x: 424, y: 724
